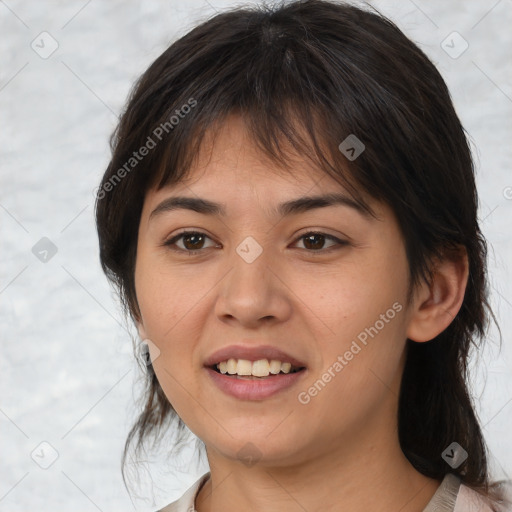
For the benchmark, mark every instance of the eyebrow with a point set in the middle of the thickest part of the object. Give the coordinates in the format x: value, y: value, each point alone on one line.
x: 292, y: 207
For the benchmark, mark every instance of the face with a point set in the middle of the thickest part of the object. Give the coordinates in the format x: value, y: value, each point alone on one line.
x: 325, y: 285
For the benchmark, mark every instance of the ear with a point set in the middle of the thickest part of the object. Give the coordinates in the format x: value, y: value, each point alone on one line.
x: 437, y: 303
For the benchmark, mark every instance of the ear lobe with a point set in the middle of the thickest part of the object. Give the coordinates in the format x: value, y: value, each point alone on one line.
x: 437, y: 303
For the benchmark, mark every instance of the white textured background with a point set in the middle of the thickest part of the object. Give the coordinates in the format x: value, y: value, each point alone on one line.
x: 67, y: 373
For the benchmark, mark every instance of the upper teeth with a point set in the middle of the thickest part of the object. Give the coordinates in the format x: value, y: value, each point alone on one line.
x: 260, y: 368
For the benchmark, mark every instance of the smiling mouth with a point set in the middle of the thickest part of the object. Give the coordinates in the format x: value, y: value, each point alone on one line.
x: 244, y: 379
x: 249, y: 370
x: 254, y: 377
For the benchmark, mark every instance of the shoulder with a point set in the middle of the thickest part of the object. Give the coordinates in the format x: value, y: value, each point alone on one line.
x: 468, y: 500
x: 187, y: 500
x: 454, y: 496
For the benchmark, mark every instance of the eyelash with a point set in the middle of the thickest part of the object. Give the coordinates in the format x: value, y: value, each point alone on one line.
x: 169, y: 243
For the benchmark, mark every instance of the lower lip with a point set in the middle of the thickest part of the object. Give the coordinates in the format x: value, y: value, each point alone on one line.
x: 254, y: 389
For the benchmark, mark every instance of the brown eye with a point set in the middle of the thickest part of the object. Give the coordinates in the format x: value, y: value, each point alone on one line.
x: 193, y: 241
x: 315, y: 242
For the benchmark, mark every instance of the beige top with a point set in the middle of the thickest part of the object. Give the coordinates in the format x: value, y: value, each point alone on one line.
x: 451, y: 496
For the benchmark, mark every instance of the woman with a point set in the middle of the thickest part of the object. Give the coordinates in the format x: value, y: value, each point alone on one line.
x: 290, y: 217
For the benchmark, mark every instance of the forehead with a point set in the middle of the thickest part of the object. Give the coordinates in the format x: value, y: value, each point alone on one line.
x: 231, y: 169
x: 231, y: 150
x: 229, y: 154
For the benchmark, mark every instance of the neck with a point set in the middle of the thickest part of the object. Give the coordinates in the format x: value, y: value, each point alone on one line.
x: 375, y: 475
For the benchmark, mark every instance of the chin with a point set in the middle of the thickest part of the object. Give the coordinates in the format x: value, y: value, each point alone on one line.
x: 260, y: 450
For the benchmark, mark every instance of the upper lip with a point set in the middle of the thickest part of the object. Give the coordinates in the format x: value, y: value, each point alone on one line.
x: 251, y: 354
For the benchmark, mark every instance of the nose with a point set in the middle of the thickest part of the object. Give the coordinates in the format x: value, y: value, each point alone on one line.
x: 254, y: 292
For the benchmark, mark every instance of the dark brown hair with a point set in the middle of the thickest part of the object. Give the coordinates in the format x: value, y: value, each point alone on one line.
x: 326, y: 70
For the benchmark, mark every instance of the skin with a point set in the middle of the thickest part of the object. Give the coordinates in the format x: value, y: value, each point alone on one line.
x: 341, y: 449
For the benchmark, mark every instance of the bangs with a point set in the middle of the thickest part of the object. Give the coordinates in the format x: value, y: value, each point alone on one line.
x: 281, y: 141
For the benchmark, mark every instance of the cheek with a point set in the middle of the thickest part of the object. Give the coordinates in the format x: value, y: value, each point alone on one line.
x: 165, y: 296
x: 365, y: 312
x: 162, y: 302
x: 164, y: 306
x: 360, y: 375
x: 169, y: 303
x: 352, y: 297
x: 379, y: 322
